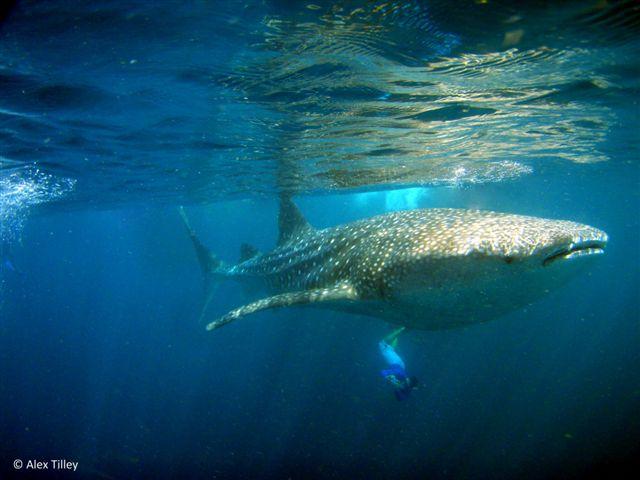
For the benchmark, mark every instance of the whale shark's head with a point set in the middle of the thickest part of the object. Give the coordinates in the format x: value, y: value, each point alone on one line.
x: 450, y: 267
x: 538, y: 243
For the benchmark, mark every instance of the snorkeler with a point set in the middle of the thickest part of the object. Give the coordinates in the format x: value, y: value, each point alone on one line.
x: 396, y: 374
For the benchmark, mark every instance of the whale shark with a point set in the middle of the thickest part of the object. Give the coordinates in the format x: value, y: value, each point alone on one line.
x: 426, y: 269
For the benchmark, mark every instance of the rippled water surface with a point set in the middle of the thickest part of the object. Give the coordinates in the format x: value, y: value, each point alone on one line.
x: 204, y: 101
x: 113, y: 113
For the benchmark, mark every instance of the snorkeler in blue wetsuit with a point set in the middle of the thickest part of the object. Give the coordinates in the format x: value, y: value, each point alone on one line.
x: 396, y: 374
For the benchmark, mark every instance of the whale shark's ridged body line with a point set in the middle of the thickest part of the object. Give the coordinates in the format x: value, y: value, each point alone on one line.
x: 428, y: 269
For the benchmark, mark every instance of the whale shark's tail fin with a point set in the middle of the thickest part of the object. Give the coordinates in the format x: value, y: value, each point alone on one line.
x: 212, y: 268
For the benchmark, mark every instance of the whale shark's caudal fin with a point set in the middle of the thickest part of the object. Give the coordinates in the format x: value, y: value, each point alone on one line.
x: 290, y: 221
x: 212, y: 268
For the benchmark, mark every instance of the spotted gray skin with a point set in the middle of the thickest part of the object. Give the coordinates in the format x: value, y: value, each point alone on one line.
x: 425, y: 269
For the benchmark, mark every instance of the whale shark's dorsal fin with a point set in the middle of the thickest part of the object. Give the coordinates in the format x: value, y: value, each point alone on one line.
x: 340, y: 291
x: 291, y: 222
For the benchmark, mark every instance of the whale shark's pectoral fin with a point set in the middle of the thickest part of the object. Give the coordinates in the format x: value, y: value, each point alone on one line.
x: 341, y: 291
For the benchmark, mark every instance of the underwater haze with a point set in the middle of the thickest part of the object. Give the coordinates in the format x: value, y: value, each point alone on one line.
x: 113, y: 114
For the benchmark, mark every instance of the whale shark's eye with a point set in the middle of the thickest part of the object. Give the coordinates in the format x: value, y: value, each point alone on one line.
x: 508, y: 259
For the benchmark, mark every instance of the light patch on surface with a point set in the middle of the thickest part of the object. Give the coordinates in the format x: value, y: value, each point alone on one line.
x: 403, y: 199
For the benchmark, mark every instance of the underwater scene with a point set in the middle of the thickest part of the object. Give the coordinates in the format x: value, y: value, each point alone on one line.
x: 319, y: 239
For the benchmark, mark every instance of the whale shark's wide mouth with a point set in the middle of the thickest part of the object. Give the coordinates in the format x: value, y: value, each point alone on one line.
x: 593, y: 247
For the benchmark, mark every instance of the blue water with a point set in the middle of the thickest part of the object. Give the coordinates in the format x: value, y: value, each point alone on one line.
x: 112, y: 114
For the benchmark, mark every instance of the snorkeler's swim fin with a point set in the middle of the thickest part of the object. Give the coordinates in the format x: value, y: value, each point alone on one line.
x: 212, y: 268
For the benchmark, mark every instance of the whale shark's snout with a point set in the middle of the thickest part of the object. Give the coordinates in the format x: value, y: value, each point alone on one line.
x: 537, y: 241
